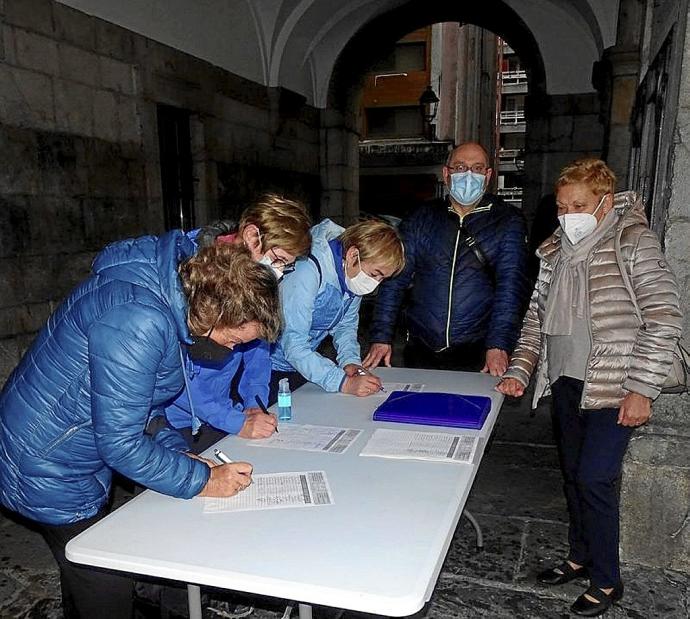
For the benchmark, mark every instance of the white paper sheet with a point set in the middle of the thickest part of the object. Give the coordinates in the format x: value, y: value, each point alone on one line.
x: 436, y: 446
x: 275, y: 491
x: 310, y: 438
x: 412, y: 387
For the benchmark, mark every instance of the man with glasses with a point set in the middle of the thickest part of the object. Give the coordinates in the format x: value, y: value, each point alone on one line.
x: 227, y: 382
x: 466, y: 269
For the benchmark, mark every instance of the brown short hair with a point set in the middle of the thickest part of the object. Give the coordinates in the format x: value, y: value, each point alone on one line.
x: 226, y: 288
x: 282, y: 223
x: 377, y: 242
x: 590, y: 171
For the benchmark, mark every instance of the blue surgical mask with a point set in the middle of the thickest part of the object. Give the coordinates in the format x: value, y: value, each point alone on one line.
x: 467, y: 187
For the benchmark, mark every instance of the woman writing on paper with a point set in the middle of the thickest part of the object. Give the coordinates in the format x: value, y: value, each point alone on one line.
x: 322, y: 297
x: 76, y: 408
x: 581, y: 335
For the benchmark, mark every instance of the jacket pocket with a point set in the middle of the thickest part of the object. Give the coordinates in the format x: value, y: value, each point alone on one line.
x: 55, y: 443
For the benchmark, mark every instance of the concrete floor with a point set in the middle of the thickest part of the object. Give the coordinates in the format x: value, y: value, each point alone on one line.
x: 517, y: 498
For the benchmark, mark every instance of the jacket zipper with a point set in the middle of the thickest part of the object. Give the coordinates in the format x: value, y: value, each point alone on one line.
x: 63, y: 437
x: 450, y: 288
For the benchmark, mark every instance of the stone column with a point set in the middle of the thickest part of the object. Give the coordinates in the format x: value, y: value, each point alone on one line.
x: 655, y: 496
x: 339, y: 167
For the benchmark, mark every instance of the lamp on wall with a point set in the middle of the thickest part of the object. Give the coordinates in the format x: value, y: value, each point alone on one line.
x: 428, y: 106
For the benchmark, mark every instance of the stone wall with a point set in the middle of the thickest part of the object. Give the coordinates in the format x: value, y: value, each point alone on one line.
x: 560, y: 129
x: 655, y: 518
x: 78, y: 133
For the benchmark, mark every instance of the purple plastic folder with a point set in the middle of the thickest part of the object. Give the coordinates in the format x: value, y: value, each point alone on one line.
x: 435, y: 409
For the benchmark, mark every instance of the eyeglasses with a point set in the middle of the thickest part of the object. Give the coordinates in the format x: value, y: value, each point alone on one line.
x: 281, y: 264
x: 477, y: 168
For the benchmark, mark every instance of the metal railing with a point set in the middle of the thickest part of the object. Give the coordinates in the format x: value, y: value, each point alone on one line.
x: 509, y: 78
x: 512, y: 117
x: 511, y: 156
x: 510, y: 193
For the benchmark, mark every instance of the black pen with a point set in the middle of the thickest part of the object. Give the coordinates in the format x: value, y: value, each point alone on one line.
x: 262, y: 406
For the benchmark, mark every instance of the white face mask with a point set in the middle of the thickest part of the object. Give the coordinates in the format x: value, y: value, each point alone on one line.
x: 266, y: 259
x: 361, y: 283
x: 577, y: 226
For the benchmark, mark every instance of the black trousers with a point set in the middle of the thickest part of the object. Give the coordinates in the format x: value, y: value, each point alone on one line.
x: 591, y: 447
x: 87, y: 592
x: 468, y: 357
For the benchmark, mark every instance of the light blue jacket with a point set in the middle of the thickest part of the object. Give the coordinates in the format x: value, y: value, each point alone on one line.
x: 209, y: 387
x: 316, y: 305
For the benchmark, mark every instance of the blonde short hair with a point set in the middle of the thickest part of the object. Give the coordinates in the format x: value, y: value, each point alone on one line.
x: 282, y: 223
x: 226, y: 288
x: 591, y: 172
x: 378, y: 243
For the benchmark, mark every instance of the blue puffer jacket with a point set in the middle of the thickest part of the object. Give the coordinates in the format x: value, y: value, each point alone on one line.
x: 76, y: 406
x: 316, y: 304
x: 453, y: 299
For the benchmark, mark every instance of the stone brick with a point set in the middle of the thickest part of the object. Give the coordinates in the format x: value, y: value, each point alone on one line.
x: 26, y: 318
x: 8, y: 52
x: 19, y: 154
x: 74, y: 107
x: 117, y: 75
x: 654, y: 515
x: 61, y: 165
x: 78, y: 65
x: 111, y: 40
x: 35, y: 51
x: 56, y: 225
x: 130, y: 120
x: 34, y: 15
x: 15, y: 234
x: 26, y: 98
x: 560, y: 133
x: 74, y: 26
x: 106, y: 125
x: 588, y: 133
x: 9, y: 357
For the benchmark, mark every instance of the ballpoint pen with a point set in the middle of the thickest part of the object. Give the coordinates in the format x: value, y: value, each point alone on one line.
x: 262, y: 406
x: 221, y: 457
x: 362, y: 372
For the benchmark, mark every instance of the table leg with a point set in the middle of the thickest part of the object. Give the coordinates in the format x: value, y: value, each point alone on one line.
x: 304, y: 611
x: 477, y: 528
x: 194, y: 600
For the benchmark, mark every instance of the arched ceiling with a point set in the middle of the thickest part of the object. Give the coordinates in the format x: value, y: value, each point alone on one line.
x: 296, y: 43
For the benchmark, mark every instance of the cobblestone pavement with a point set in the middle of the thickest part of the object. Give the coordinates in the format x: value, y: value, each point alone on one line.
x: 516, y: 497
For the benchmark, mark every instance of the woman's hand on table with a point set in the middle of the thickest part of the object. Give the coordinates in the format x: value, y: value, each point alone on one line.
x: 258, y: 424
x: 361, y: 385
x: 511, y: 386
x: 227, y: 479
x: 635, y: 410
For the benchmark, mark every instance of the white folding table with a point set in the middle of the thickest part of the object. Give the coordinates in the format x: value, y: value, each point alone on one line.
x: 378, y: 549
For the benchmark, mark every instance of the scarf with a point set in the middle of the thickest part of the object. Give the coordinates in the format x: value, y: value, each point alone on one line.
x: 568, y: 284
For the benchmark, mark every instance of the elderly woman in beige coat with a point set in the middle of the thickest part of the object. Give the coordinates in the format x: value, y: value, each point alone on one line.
x: 603, y: 365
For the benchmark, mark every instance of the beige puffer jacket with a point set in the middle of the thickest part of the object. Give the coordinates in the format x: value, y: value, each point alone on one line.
x: 625, y: 355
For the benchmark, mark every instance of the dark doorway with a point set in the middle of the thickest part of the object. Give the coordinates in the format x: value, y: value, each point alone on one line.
x: 176, y: 167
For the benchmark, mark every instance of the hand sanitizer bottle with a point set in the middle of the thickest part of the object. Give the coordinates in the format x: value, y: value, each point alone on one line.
x: 284, y: 400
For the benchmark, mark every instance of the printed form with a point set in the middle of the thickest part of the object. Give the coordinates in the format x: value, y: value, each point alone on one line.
x: 436, y: 446
x: 412, y: 387
x: 275, y: 491
x: 310, y: 438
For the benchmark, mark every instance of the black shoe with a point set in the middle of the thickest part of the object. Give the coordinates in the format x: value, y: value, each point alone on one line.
x: 561, y: 574
x: 586, y: 608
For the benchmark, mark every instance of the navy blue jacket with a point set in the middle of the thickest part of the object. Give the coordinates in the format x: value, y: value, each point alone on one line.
x: 76, y: 406
x: 453, y: 298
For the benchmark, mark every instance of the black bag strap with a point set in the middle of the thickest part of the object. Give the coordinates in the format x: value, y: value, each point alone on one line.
x: 312, y: 257
x: 473, y: 245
